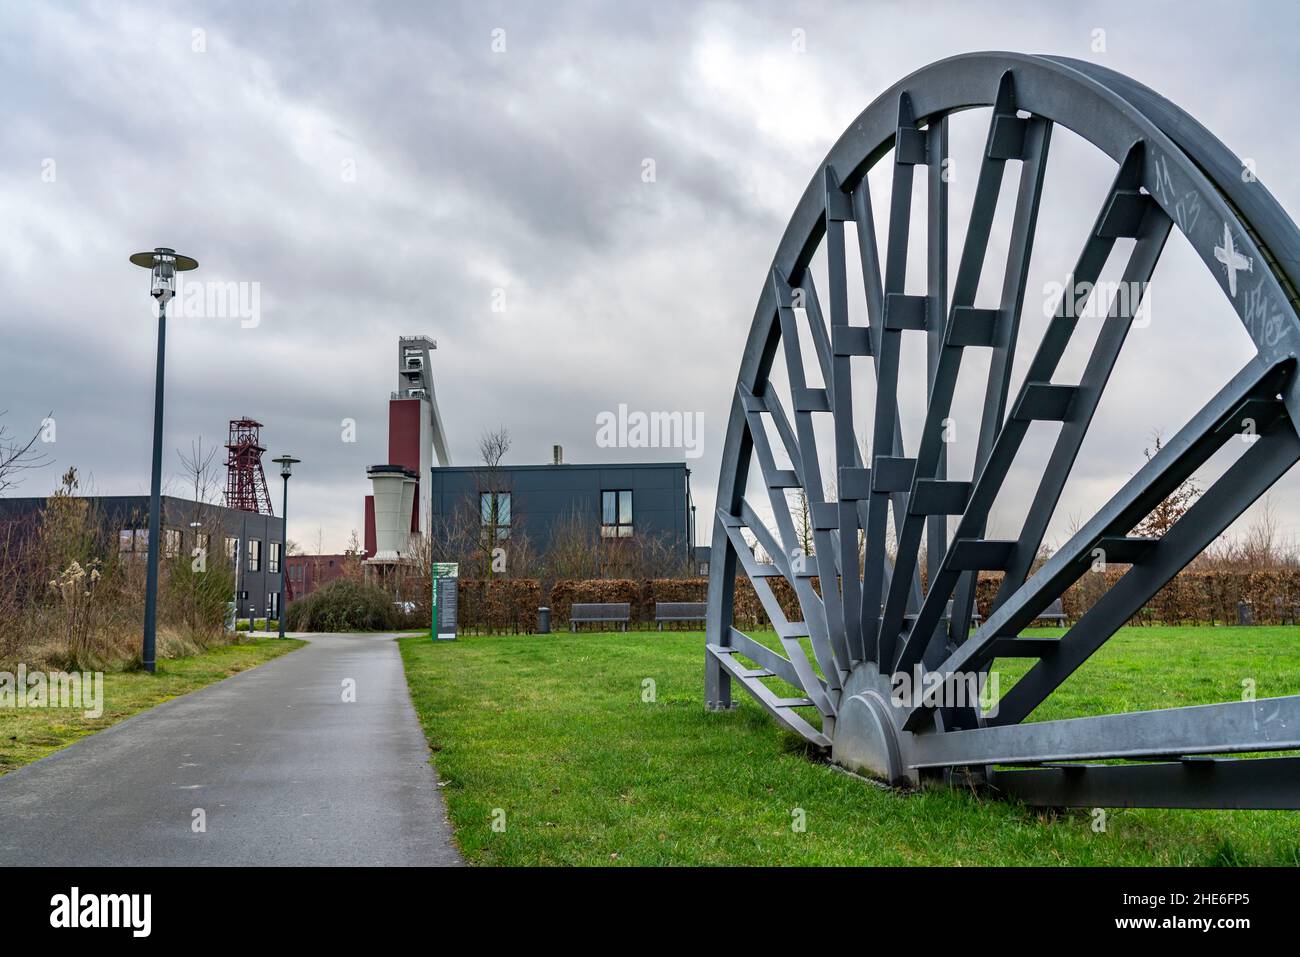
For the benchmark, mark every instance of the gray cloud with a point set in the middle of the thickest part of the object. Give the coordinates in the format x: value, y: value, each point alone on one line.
x: 519, y: 171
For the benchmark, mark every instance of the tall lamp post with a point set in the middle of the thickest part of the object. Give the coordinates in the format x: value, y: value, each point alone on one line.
x: 163, y: 264
x: 286, y: 463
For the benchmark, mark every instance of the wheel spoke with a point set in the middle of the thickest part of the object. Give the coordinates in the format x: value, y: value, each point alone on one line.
x: 797, y: 568
x: 876, y: 559
x: 824, y: 518
x: 853, y: 479
x: 788, y: 632
x: 1152, y: 233
x: 909, y: 149
x: 1036, y: 140
x: 1008, y: 434
x: 966, y: 326
x: 836, y: 368
x: 936, y: 310
x: 1252, y: 393
x: 1250, y: 477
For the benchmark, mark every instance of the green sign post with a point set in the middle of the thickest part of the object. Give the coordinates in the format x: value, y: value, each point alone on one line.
x: 443, y: 619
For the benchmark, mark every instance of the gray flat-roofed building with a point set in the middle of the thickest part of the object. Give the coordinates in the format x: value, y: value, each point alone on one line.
x: 253, y: 539
x: 650, y: 501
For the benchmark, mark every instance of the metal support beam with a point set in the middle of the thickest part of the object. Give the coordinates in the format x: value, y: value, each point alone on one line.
x: 1246, y: 784
x: 1269, y: 724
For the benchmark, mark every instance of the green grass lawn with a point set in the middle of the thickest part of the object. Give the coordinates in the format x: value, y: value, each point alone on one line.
x: 27, y: 734
x: 550, y: 734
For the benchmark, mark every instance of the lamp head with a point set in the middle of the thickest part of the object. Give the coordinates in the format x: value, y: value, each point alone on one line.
x: 163, y: 263
x: 286, y: 463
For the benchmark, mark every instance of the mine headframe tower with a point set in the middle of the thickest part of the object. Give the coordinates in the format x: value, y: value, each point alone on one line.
x: 245, y: 480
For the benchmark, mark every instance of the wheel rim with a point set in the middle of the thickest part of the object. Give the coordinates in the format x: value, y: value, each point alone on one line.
x: 867, y: 620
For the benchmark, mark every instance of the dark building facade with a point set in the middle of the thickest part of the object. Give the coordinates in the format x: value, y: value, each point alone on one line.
x: 250, y: 540
x: 648, y: 501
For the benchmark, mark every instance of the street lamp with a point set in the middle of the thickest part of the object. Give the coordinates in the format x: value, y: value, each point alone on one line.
x: 286, y: 463
x: 163, y: 264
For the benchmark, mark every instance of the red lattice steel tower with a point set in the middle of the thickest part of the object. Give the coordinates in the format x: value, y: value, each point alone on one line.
x: 245, y: 480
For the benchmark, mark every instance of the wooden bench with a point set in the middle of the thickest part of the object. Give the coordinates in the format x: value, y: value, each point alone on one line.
x: 679, y: 611
x: 600, y: 613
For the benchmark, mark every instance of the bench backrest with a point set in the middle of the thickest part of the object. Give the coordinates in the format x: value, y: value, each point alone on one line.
x: 600, y: 611
x: 680, y: 609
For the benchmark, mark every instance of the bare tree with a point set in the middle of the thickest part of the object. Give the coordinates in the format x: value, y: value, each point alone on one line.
x: 354, y: 554
x: 200, y: 470
x: 494, y: 503
x: 201, y: 473
x: 493, y: 445
x: 1260, y: 547
x: 1168, y: 512
x: 17, y: 456
x: 803, y: 523
x: 573, y: 550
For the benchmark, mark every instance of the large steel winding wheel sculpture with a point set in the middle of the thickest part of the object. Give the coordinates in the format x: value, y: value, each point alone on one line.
x: 865, y: 616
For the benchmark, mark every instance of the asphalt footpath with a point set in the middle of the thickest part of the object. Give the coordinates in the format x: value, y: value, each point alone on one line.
x: 276, y: 764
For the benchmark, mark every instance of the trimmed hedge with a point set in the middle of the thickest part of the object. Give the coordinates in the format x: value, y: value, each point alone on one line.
x: 510, y: 605
x: 498, y: 605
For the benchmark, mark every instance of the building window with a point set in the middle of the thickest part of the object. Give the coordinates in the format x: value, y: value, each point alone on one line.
x: 232, y: 550
x: 171, y: 542
x: 273, y: 606
x: 494, y: 510
x: 254, y: 555
x: 125, y: 541
x: 273, y: 559
x: 616, y: 514
x: 202, y: 540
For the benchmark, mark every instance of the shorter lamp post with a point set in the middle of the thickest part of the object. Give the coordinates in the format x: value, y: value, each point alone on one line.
x: 286, y: 463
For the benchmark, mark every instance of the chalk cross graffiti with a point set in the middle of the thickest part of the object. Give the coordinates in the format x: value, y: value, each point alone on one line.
x: 1232, y: 260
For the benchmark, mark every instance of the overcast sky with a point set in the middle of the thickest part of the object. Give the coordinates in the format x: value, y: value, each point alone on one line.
x: 476, y: 172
